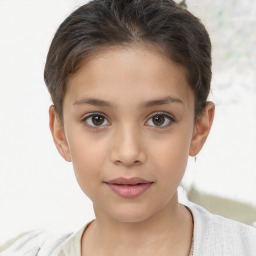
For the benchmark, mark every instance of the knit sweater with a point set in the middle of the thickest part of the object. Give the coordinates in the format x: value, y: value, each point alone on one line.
x: 213, y: 236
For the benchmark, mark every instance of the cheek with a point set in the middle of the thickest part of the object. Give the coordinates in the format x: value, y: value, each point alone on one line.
x: 87, y: 159
x: 171, y: 156
x: 87, y: 150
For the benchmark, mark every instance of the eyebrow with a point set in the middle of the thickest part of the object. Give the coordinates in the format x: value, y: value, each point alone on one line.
x: 94, y: 102
x: 150, y: 103
x: 162, y: 101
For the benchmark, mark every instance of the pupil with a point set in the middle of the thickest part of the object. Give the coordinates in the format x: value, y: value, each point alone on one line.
x: 158, y: 120
x: 97, y: 120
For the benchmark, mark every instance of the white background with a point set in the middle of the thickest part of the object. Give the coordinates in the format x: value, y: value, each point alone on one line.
x: 38, y: 188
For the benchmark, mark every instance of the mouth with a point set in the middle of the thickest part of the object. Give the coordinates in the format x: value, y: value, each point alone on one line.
x: 128, y: 181
x: 129, y: 188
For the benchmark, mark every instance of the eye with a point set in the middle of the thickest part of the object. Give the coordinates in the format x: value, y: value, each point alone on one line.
x: 95, y: 120
x: 160, y: 120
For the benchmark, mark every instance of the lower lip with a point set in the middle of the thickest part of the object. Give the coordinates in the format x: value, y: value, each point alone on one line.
x: 129, y: 191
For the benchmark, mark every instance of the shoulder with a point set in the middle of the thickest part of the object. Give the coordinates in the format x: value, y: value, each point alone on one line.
x: 216, y: 235
x: 34, y: 243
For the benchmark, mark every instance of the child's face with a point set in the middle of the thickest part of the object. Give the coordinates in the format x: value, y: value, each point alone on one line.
x: 128, y: 112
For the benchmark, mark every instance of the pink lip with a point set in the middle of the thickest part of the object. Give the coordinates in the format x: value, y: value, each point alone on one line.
x: 129, y: 188
x: 128, y: 181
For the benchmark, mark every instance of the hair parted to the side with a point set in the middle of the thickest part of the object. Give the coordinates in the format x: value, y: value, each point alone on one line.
x: 103, y: 23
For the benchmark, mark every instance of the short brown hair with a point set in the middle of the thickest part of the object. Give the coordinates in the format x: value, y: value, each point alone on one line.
x: 103, y: 23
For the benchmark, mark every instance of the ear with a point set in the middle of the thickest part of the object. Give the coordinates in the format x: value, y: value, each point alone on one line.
x: 58, y: 134
x: 202, y: 129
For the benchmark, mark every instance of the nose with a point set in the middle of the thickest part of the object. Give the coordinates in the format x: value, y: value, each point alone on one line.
x: 127, y: 147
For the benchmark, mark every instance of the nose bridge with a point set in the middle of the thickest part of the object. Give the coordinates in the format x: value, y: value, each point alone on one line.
x: 128, y: 148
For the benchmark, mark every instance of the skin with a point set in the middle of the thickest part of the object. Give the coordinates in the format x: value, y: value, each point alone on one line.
x: 128, y: 143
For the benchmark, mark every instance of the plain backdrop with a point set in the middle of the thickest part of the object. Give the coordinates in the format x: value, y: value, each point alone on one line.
x: 38, y: 188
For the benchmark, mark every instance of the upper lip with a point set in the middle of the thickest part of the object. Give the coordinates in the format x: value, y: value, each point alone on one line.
x: 128, y: 181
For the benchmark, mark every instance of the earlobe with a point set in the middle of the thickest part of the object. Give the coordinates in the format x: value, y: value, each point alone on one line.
x: 58, y: 134
x: 202, y: 129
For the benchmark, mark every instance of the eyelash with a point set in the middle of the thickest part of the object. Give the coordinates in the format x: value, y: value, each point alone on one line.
x: 85, y: 119
x: 171, y: 120
x: 166, y: 116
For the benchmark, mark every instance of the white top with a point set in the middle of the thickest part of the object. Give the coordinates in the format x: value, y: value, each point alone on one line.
x: 213, y: 236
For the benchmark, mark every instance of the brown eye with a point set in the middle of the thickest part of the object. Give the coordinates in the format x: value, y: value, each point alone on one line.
x: 160, y: 120
x: 95, y: 120
x: 98, y: 120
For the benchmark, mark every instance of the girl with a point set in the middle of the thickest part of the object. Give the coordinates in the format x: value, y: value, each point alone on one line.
x: 129, y: 82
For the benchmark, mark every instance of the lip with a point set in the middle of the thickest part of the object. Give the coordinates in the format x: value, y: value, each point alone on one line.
x: 128, y: 181
x: 129, y: 188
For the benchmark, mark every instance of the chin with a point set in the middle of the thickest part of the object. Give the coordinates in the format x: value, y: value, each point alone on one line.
x: 131, y: 215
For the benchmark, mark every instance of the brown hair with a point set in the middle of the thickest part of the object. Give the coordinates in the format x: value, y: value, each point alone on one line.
x: 102, y: 23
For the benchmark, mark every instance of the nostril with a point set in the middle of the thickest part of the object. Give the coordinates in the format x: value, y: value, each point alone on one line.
x: 127, y: 162
x: 127, y: 157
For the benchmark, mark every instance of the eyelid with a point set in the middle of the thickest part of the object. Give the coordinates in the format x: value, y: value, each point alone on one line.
x: 87, y: 116
x: 167, y: 115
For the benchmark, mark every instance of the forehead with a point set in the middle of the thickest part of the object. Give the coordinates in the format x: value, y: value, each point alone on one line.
x: 129, y: 71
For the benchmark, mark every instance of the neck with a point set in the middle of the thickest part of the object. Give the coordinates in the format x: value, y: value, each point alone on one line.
x: 169, y: 231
